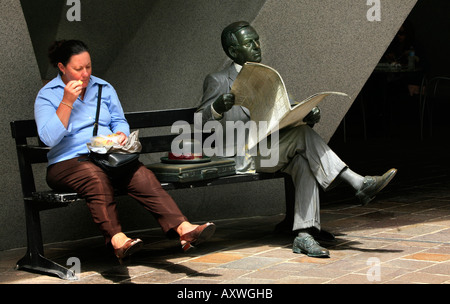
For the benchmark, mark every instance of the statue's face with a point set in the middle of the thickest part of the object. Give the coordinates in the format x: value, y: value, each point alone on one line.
x: 249, y: 49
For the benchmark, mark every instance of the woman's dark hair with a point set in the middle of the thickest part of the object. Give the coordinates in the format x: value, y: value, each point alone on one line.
x: 61, y: 51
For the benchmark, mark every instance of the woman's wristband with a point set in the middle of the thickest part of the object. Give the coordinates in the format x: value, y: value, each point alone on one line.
x: 66, y: 104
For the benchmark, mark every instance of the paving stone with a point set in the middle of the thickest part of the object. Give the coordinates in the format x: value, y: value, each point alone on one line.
x: 419, y: 278
x: 218, y: 258
x: 252, y: 263
x: 439, y: 268
x: 429, y: 257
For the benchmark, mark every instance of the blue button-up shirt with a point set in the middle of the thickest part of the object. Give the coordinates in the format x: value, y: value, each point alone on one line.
x: 71, y: 142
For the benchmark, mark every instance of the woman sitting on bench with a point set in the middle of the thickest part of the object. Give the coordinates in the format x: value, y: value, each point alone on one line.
x: 65, y: 111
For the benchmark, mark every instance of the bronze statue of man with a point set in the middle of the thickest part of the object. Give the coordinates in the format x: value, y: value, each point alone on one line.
x: 303, y: 154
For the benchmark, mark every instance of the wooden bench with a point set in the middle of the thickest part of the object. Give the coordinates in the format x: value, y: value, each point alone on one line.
x: 24, y: 131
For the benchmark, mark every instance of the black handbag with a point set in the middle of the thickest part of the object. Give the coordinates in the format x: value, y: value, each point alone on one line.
x: 114, y: 164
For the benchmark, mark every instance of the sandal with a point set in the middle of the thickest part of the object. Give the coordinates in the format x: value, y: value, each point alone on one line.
x: 197, y: 236
x: 131, y: 246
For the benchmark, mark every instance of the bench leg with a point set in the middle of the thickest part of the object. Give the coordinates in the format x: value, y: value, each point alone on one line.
x: 289, y: 189
x: 34, y: 260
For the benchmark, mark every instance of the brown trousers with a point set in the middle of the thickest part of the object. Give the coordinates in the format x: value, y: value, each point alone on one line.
x: 82, y: 176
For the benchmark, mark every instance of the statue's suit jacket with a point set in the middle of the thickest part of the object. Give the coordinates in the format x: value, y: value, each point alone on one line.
x: 215, y: 85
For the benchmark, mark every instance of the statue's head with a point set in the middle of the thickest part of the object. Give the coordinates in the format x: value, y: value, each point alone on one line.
x: 240, y: 41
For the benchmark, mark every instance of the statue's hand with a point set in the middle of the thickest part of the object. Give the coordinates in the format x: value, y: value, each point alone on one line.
x: 313, y: 117
x: 224, y: 103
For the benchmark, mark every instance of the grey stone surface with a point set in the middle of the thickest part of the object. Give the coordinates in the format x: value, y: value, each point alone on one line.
x: 19, y: 84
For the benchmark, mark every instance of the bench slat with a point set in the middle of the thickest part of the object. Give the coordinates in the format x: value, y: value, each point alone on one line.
x: 34, y: 154
x: 23, y: 128
x: 161, y: 118
x: 155, y: 144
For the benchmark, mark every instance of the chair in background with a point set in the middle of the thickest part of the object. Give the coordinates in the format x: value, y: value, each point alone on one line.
x: 432, y: 90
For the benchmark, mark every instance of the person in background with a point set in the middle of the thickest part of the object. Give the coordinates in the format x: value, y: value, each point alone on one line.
x: 404, y: 53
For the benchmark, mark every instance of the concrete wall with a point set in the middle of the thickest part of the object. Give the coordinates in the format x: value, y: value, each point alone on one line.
x: 19, y: 83
x: 105, y: 26
x: 156, y: 53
